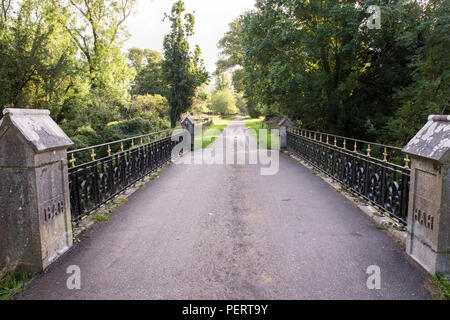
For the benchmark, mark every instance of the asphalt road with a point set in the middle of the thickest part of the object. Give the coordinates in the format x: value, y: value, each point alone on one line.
x: 228, y: 232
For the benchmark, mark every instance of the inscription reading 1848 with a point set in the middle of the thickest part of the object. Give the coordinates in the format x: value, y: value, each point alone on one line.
x: 424, y: 185
x: 54, y: 208
x: 424, y: 219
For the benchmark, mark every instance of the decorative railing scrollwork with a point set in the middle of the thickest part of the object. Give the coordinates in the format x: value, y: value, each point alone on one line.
x: 95, y: 182
x: 383, y: 182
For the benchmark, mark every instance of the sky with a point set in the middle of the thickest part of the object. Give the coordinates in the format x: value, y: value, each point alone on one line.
x: 212, y: 17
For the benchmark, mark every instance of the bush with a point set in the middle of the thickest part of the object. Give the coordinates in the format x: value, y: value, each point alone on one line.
x: 254, y: 110
x: 148, y: 107
x: 118, y: 130
x: 224, y: 102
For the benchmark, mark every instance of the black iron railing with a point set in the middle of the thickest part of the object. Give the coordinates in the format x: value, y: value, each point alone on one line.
x: 370, y: 170
x: 95, y: 182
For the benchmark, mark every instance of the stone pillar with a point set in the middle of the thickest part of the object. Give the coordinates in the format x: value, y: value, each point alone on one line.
x: 189, y: 124
x: 284, y: 124
x: 428, y: 240
x: 35, y: 222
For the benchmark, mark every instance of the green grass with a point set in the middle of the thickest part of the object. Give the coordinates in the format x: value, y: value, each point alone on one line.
x: 209, y: 135
x: 99, y: 217
x: 11, y: 284
x: 442, y: 285
x: 231, y: 118
x: 258, y: 123
x: 120, y: 201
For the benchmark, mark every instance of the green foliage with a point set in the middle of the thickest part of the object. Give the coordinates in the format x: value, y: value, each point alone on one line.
x: 224, y: 102
x: 201, y: 100
x: 254, y: 109
x: 429, y: 89
x: 210, y: 135
x: 241, y: 103
x: 11, y: 284
x: 442, y: 285
x: 66, y: 56
x: 37, y: 58
x: 232, y: 55
x: 321, y: 64
x: 100, y: 217
x: 183, y: 71
x: 152, y: 107
x: 255, y: 125
x: 96, y: 29
x: 222, y: 81
x: 118, y: 130
x: 148, y: 66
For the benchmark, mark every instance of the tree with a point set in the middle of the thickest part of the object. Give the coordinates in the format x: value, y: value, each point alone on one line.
x: 149, y: 107
x: 317, y: 61
x: 38, y: 61
x: 429, y: 89
x: 183, y: 70
x: 224, y: 102
x: 96, y: 27
x: 148, y: 66
x: 201, y: 99
x: 222, y: 81
x: 232, y: 54
x: 241, y: 102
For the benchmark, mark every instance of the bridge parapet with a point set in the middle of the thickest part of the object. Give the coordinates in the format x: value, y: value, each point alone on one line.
x: 284, y: 124
x: 189, y: 124
x: 35, y: 224
x: 378, y: 173
x: 428, y: 239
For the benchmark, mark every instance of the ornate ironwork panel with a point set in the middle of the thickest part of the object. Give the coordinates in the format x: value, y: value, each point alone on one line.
x: 94, y: 183
x: 382, y: 183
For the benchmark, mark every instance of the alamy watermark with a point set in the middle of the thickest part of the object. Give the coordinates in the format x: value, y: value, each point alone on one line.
x: 74, y: 280
x: 374, y: 20
x: 374, y: 279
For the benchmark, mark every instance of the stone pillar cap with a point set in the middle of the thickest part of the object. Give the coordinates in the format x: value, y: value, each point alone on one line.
x: 26, y: 112
x: 438, y: 117
x: 285, y: 122
x: 433, y: 140
x: 36, y: 127
x: 188, y: 118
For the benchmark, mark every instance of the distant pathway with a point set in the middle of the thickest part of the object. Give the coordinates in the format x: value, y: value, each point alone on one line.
x: 227, y: 232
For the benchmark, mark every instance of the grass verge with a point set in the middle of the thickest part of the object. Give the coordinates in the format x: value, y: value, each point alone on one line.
x: 441, y: 286
x: 11, y: 284
x: 210, y: 135
x: 254, y: 125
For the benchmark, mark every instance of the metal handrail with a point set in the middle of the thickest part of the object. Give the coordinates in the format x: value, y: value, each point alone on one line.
x: 318, y: 136
x: 357, y: 140
x: 71, y: 153
x: 384, y: 184
x: 122, y: 140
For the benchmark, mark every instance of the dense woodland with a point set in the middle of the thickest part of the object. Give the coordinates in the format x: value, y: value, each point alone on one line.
x: 315, y: 61
x: 319, y: 63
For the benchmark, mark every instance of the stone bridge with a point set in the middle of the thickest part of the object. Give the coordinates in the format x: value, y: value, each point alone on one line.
x: 210, y: 230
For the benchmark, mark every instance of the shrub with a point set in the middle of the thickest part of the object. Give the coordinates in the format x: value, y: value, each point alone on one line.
x: 224, y: 102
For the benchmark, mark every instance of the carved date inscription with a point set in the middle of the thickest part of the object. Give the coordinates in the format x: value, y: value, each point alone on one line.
x: 423, y: 218
x: 54, y: 207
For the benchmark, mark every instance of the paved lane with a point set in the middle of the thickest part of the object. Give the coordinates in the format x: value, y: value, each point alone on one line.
x: 227, y: 232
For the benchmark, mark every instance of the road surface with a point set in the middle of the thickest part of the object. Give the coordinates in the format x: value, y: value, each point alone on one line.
x: 227, y: 232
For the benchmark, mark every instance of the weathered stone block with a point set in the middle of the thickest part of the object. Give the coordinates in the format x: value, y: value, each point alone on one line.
x: 284, y: 124
x: 428, y: 239
x: 189, y: 124
x: 35, y: 221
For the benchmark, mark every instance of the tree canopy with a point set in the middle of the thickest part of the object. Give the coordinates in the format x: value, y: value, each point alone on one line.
x: 318, y: 62
x: 67, y: 56
x: 183, y: 70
